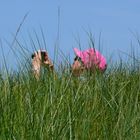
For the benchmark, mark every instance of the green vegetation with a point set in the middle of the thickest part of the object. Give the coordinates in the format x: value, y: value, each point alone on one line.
x: 100, y: 106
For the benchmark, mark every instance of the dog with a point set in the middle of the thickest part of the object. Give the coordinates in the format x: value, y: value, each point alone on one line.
x: 88, y: 60
x: 40, y: 58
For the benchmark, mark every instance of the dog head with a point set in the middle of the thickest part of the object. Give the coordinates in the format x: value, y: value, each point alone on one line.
x: 40, y: 58
x: 77, y: 66
x: 42, y: 55
x: 89, y: 59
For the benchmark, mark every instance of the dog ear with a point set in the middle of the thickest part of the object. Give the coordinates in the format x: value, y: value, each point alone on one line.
x: 44, y: 56
x: 32, y: 56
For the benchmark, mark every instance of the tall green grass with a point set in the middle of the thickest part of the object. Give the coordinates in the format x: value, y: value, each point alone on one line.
x: 99, y: 106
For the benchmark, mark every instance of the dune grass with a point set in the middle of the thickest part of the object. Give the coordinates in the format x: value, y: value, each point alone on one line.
x: 97, y: 107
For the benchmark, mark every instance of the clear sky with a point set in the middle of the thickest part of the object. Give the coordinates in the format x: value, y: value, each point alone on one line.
x: 113, y: 19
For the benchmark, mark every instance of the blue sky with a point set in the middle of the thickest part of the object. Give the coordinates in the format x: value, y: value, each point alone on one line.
x: 113, y: 19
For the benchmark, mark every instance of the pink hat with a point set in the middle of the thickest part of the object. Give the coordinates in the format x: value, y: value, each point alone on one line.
x: 91, y: 57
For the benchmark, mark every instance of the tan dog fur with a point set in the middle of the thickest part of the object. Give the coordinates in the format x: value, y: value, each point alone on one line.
x: 38, y: 62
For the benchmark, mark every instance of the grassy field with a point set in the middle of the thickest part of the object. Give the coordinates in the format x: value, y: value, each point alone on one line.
x: 95, y: 107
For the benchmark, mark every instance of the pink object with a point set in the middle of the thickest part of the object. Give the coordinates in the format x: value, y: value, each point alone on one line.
x: 91, y: 57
